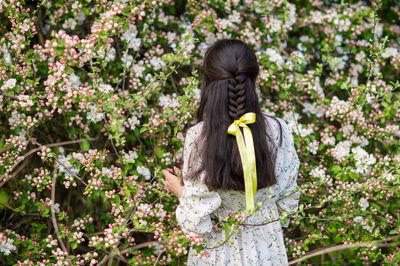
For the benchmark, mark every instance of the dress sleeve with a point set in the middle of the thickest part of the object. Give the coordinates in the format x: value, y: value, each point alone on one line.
x: 288, y: 165
x: 196, y: 203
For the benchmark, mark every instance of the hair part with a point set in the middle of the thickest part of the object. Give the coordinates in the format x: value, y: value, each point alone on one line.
x: 229, y: 70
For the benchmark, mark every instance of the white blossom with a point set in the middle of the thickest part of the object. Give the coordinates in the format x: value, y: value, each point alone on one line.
x: 157, y: 63
x: 133, y: 121
x: 127, y: 59
x: 6, y: 246
x: 110, y: 55
x: 364, y: 204
x: 131, y: 156
x: 94, y: 115
x: 144, y: 171
x: 275, y: 57
x: 70, y: 24
x: 390, y: 52
x: 9, y: 84
x: 106, y: 88
x: 318, y: 172
x: 313, y: 147
x: 73, y: 81
x: 342, y: 150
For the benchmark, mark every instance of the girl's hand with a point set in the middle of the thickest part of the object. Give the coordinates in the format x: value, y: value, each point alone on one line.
x: 172, y: 182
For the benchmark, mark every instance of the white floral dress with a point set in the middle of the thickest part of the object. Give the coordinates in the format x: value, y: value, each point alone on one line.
x: 253, y: 245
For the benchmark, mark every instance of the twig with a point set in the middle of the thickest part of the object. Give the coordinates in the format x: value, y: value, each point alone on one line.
x: 4, y: 179
x: 58, y: 161
x: 53, y: 214
x: 344, y: 246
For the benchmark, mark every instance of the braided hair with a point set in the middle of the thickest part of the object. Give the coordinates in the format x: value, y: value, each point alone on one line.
x: 237, y: 96
x: 229, y: 71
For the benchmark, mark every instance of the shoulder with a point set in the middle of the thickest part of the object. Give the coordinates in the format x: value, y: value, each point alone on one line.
x: 192, y: 133
x: 195, y: 130
x: 277, y: 128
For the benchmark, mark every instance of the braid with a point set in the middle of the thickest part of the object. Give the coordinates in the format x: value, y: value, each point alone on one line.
x: 237, y: 96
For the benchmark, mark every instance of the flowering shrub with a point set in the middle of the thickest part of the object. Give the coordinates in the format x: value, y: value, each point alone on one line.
x: 96, y: 96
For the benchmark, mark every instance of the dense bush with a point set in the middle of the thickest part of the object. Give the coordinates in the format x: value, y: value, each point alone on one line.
x: 95, y: 98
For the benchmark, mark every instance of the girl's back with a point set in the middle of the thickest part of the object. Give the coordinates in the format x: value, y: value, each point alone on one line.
x: 225, y: 171
x: 260, y: 243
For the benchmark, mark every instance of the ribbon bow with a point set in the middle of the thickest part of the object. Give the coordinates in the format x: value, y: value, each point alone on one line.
x: 247, y: 155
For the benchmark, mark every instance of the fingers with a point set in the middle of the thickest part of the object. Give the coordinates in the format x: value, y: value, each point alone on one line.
x: 177, y: 170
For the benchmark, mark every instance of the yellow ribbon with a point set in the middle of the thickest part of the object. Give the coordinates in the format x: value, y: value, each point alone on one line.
x: 247, y: 155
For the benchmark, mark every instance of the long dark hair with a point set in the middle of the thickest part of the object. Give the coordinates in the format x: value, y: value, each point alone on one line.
x: 229, y: 71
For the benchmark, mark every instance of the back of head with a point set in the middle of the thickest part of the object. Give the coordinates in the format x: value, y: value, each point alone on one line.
x: 230, y: 69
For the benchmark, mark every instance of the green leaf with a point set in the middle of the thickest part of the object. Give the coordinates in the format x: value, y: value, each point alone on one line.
x: 74, y: 245
x: 85, y: 145
x: 3, y: 196
x: 336, y: 168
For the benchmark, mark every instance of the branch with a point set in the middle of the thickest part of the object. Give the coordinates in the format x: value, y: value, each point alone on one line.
x: 344, y: 246
x: 5, y: 178
x: 53, y: 214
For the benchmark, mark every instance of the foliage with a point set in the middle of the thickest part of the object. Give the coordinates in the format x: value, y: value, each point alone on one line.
x: 96, y: 96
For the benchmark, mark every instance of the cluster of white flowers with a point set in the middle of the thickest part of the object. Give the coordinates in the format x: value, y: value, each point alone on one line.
x: 275, y: 57
x: 318, y: 172
x: 6, y: 54
x: 64, y: 166
x: 364, y: 223
x: 342, y: 150
x: 143, y: 208
x: 9, y: 84
x: 130, y: 157
x: 169, y: 100
x: 110, y: 55
x: 347, y: 130
x: 390, y: 52
x: 24, y: 101
x: 144, y: 171
x: 364, y: 204
x: 342, y: 24
x: 15, y: 118
x: 94, y: 115
x: 274, y: 25
x: 73, y: 81
x: 313, y: 146
x: 80, y: 17
x: 360, y: 56
x: 304, y: 130
x: 388, y: 176
x: 127, y: 59
x: 133, y: 121
x: 338, y: 63
x: 312, y: 108
x: 50, y: 241
x: 232, y: 18
x: 361, y: 140
x: 130, y: 37
x: 316, y: 16
x: 69, y: 24
x: 316, y: 86
x: 338, y: 107
x: 329, y: 140
x: 6, y: 245
x: 363, y: 160
x: 291, y: 15
x: 157, y: 63
x: 138, y: 69
x: 106, y: 88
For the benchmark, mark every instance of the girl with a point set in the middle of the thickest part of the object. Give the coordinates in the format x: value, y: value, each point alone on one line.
x: 215, y: 183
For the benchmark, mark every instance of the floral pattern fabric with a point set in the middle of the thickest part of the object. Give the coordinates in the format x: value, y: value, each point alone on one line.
x: 252, y: 245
